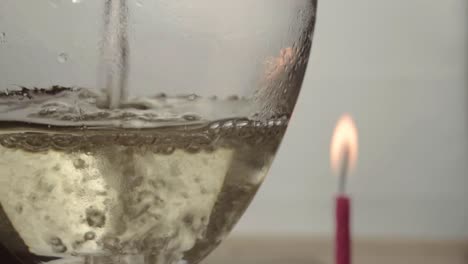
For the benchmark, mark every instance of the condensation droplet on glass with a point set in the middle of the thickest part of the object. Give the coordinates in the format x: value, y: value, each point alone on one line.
x: 2, y: 37
x: 62, y: 57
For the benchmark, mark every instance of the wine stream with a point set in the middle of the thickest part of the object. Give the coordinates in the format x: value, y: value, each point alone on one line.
x: 115, y: 52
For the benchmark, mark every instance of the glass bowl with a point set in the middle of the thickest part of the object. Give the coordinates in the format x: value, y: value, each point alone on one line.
x: 138, y: 131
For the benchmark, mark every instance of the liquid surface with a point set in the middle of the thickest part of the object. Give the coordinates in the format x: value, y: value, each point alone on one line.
x: 160, y: 193
x: 71, y: 107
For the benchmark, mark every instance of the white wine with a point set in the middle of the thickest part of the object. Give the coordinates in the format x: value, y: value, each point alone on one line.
x: 163, y: 193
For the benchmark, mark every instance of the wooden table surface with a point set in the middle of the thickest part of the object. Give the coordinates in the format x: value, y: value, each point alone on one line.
x: 320, y: 251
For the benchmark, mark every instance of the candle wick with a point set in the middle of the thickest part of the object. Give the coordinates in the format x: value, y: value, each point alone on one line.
x: 344, y: 170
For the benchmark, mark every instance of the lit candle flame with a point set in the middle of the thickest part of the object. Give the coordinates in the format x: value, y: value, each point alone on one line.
x: 344, y: 146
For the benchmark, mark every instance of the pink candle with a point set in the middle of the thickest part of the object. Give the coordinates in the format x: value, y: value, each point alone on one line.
x: 343, y: 157
x: 343, y: 234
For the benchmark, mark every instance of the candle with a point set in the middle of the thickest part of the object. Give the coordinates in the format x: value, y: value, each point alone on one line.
x: 343, y: 158
x: 343, y: 234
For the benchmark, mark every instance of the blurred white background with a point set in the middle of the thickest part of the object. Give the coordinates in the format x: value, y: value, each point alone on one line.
x: 401, y: 69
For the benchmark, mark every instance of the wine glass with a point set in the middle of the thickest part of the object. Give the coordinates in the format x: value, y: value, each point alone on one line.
x: 138, y: 131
